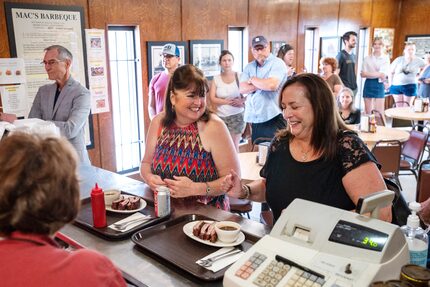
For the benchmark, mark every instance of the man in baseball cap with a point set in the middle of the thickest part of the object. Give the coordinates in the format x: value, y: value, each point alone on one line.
x: 157, y: 87
x: 259, y: 41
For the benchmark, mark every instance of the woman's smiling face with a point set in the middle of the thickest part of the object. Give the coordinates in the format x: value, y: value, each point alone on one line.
x: 297, y: 110
x: 189, y: 105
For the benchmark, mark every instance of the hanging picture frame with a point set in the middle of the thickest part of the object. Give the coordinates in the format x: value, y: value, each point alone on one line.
x: 204, y: 54
x: 422, y: 42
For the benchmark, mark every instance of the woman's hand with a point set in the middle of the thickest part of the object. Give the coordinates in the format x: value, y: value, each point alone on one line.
x: 154, y: 181
x: 181, y: 186
x: 238, y: 102
x: 232, y: 185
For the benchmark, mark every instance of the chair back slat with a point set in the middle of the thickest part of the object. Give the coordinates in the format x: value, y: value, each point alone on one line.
x: 423, y: 183
x: 413, y: 148
x: 388, y: 155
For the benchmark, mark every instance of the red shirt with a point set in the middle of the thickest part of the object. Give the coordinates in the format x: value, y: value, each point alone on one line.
x: 36, y: 260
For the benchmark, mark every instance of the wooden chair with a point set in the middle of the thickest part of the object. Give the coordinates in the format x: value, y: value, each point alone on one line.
x: 413, y: 149
x: 379, y: 118
x: 388, y: 155
x: 423, y: 182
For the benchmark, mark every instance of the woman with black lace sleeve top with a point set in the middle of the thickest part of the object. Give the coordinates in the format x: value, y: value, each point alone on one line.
x: 315, y: 158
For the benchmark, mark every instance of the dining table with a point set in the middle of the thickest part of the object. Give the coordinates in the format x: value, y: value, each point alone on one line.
x: 249, y: 167
x: 407, y: 113
x: 382, y: 134
x: 146, y: 268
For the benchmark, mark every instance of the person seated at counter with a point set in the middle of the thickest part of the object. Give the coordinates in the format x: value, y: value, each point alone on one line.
x: 189, y: 149
x: 315, y: 157
x: 349, y: 114
x: 39, y: 194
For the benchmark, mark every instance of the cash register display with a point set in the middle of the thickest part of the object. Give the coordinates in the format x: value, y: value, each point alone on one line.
x: 359, y: 236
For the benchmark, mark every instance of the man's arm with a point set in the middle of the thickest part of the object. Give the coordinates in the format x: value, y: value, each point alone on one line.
x: 269, y: 84
x: 36, y: 108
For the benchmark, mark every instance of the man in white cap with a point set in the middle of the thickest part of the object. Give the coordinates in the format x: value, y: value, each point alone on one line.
x: 158, y: 84
x: 260, y: 80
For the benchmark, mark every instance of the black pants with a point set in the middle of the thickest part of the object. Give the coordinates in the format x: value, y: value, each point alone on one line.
x: 263, y: 131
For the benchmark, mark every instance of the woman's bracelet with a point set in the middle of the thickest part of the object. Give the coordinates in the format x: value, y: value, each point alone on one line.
x: 208, y: 189
x: 246, y: 190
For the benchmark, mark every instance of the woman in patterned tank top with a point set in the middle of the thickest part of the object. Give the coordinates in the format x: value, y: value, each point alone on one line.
x: 189, y: 149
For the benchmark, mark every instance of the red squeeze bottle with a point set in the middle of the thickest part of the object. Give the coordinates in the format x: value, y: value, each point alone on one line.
x: 98, y: 207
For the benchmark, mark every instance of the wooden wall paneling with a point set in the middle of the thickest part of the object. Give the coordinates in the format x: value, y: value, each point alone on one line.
x: 324, y: 18
x: 413, y: 20
x: 354, y: 15
x: 209, y: 20
x: 157, y: 21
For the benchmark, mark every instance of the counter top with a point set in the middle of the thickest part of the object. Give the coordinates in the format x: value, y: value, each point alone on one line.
x: 142, y: 266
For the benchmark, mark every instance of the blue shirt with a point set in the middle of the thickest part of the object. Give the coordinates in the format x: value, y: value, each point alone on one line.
x: 262, y: 106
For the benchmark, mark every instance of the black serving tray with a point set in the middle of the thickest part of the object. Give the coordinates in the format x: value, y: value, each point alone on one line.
x: 168, y: 242
x: 85, y: 220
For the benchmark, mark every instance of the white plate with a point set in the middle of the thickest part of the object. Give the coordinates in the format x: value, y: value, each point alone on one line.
x: 142, y: 206
x: 188, y: 230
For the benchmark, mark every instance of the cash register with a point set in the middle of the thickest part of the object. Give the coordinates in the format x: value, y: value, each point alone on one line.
x: 317, y: 245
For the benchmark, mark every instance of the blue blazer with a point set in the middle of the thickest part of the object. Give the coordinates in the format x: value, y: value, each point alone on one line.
x: 70, y: 113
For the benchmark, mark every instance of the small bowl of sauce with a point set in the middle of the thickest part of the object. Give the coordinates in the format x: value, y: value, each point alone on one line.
x: 227, y: 231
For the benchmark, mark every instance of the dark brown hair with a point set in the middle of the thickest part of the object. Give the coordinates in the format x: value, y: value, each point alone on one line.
x: 283, y: 50
x: 223, y: 53
x: 39, y: 189
x: 185, y: 77
x: 327, y: 121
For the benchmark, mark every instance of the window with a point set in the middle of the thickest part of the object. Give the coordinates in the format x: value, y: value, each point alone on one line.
x: 126, y: 100
x: 311, y: 50
x: 237, y: 45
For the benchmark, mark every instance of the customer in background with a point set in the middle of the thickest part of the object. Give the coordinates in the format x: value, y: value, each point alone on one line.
x: 286, y: 54
x: 39, y: 194
x: 424, y: 79
x: 315, y: 158
x: 375, y: 70
x: 346, y: 60
x: 349, y: 114
x: 225, y: 96
x: 189, y: 149
x: 66, y: 102
x: 328, y: 66
x: 261, y: 80
x: 157, y: 87
x: 403, y: 76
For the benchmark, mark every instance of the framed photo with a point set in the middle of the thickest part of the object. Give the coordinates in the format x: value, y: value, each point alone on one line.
x: 387, y: 35
x: 204, y: 54
x: 275, y: 46
x: 155, y: 59
x: 330, y: 46
x: 422, y: 42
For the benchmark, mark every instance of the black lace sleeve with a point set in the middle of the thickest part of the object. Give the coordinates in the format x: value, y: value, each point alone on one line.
x: 353, y: 152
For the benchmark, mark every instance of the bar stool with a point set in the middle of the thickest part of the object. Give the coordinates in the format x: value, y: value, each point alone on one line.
x: 241, y: 206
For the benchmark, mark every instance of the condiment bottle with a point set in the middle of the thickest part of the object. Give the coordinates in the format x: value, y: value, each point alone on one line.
x: 98, y: 207
x: 416, y: 237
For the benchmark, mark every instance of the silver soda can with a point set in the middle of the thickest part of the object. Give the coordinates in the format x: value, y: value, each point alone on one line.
x: 162, y: 201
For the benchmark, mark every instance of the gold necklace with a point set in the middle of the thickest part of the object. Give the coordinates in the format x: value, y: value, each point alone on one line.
x: 304, y: 156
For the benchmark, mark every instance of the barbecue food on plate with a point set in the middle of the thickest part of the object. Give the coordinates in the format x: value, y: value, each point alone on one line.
x: 129, y: 203
x: 205, y: 231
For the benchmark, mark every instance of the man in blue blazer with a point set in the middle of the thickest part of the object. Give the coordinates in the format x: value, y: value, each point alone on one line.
x: 66, y: 102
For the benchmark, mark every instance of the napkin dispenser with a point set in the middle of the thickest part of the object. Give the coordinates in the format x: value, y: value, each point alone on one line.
x: 418, y: 106
x: 263, y: 149
x: 365, y: 123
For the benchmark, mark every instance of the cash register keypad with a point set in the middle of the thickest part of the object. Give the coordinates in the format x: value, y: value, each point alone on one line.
x: 250, y: 265
x: 274, y: 273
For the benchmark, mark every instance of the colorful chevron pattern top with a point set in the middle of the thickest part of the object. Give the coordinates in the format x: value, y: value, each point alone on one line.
x: 179, y: 151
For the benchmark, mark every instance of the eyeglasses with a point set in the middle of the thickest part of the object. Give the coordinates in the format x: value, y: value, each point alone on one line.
x: 167, y: 56
x: 51, y: 62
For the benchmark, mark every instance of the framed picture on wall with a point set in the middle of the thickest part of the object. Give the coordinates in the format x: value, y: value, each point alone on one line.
x: 422, y: 42
x: 330, y: 46
x: 204, y: 54
x: 387, y: 35
x: 155, y: 59
x: 275, y: 46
